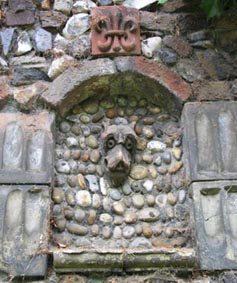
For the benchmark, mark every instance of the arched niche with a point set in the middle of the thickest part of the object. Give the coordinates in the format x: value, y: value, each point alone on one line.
x: 125, y: 227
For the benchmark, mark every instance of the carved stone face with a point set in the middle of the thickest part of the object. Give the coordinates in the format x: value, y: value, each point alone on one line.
x: 119, y: 143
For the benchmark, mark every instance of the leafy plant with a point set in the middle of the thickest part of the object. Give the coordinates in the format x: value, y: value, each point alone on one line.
x: 212, y: 8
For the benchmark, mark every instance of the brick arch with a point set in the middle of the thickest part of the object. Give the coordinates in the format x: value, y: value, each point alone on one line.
x: 100, y: 76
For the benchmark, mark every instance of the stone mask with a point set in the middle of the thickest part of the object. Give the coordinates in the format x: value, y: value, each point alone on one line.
x: 119, y: 143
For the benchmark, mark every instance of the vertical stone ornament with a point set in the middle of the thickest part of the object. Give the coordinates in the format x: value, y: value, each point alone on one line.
x: 115, y: 30
x: 210, y: 140
x: 26, y: 158
x: 215, y: 215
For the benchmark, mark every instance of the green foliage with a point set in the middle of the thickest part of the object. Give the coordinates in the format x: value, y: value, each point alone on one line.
x: 212, y: 8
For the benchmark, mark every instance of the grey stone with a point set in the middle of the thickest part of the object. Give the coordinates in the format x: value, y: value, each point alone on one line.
x: 76, y: 25
x: 59, y: 65
x: 6, y: 39
x: 138, y: 200
x: 211, y: 154
x: 115, y: 194
x: 105, y: 2
x: 215, y: 223
x: 91, y: 180
x: 83, y: 6
x: 26, y: 76
x: 79, y: 215
x: 128, y: 232
x: 156, y: 146
x: 106, y: 232
x: 28, y: 224
x: 27, y: 156
x: 43, y: 40
x: 118, y: 207
x: 82, y: 243
x: 77, y: 229
x: 167, y: 56
x: 96, y: 201
x: 117, y: 233
x: 71, y: 142
x: 148, y: 214
x: 64, y: 6
x: 106, y: 218
x: 24, y: 44
x: 62, y: 167
x: 140, y: 243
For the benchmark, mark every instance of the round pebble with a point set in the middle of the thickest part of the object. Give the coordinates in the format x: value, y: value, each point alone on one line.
x: 76, y: 154
x: 58, y: 195
x: 71, y: 142
x: 118, y: 208
x: 148, y: 158
x: 118, y: 220
x: 77, y: 229
x: 158, y: 161
x: 92, y: 142
x: 130, y: 217
x: 72, y: 181
x: 128, y: 232
x: 169, y: 232
x: 85, y: 130
x: 106, y: 218
x: 82, y: 169
x: 83, y: 198
x: 152, y: 172
x: 175, y: 167
x: 138, y: 229
x: 171, y: 199
x: 85, y: 156
x: 60, y: 223
x: 148, y: 132
x: 62, y: 167
x: 150, y: 199
x: 170, y: 212
x: 141, y: 144
x: 91, y: 217
x: 177, y: 153
x: 115, y: 194
x: 70, y: 198
x: 95, y: 156
x: 157, y: 230
x: 95, y: 230
x: 117, y: 233
x: 182, y: 196
x: 66, y: 155
x: 107, y: 204
x: 96, y: 201
x: 82, y: 142
x: 85, y: 119
x: 79, y: 215
x: 90, y: 107
x: 148, y: 185
x: 138, y: 172
x: 91, y: 169
x: 126, y: 189
x: 68, y: 212
x: 65, y: 127
x: 166, y: 157
x: 106, y: 232
x: 138, y: 201
x: 147, y: 231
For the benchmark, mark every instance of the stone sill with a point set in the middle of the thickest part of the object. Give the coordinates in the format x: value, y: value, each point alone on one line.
x: 122, y: 260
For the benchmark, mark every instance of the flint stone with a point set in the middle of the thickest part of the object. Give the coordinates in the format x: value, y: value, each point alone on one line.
x: 62, y: 167
x: 6, y: 39
x: 91, y: 180
x: 156, y: 146
x: 52, y: 19
x: 106, y: 218
x: 30, y: 62
x: 43, y: 40
x: 151, y: 45
x: 128, y: 232
x: 59, y: 65
x: 83, y: 6
x: 64, y: 6
x: 140, y: 243
x: 22, y: 18
x: 76, y: 25
x: 23, y: 76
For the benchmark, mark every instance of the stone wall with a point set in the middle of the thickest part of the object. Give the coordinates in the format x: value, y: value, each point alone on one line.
x: 173, y: 218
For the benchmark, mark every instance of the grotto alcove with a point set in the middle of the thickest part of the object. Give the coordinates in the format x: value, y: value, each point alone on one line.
x: 145, y: 220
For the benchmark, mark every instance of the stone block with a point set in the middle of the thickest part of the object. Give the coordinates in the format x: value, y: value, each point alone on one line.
x: 24, y: 212
x: 210, y: 140
x: 215, y: 214
x: 26, y: 148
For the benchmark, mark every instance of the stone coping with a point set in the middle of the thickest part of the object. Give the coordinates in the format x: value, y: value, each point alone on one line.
x: 122, y: 260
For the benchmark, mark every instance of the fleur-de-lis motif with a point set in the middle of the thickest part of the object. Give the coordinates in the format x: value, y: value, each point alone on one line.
x: 115, y: 30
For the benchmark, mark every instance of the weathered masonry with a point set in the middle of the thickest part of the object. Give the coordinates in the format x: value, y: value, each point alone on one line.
x: 118, y: 145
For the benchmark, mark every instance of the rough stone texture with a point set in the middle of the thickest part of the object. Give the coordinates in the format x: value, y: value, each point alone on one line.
x: 176, y: 5
x: 204, y: 90
x: 210, y: 140
x: 24, y: 229
x: 158, y: 72
x: 89, y: 77
x: 4, y: 90
x: 52, y: 19
x: 215, y: 223
x: 179, y: 45
x: 26, y: 148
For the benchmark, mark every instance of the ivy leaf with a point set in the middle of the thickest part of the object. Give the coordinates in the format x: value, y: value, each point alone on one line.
x: 162, y: 1
x: 213, y: 8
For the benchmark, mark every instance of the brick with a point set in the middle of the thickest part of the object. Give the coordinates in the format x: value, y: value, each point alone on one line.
x: 24, y: 222
x: 26, y: 150
x: 210, y: 140
x: 215, y: 224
